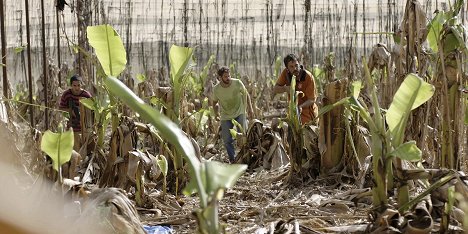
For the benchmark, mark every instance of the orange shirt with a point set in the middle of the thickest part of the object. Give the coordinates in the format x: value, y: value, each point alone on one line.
x: 306, y: 84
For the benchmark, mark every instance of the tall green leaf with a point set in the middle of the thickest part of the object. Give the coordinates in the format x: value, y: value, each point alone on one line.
x: 58, y: 146
x: 356, y: 87
x: 412, y: 93
x: 278, y: 63
x: 109, y: 48
x: 408, y: 151
x: 216, y: 175
x: 180, y: 58
x: 434, y: 30
x: 162, y: 164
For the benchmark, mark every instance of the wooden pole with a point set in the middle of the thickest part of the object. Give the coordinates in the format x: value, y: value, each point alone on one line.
x: 44, y: 67
x: 28, y: 50
x: 4, y: 45
x: 59, y: 62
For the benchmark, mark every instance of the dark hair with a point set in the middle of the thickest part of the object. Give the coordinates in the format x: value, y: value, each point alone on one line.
x: 289, y: 58
x: 75, y: 78
x: 222, y: 70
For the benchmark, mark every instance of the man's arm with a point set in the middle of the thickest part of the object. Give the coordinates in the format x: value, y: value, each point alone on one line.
x: 307, y: 103
x: 280, y: 89
x: 281, y: 84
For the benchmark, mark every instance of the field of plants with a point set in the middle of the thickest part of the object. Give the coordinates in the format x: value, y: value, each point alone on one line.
x: 387, y: 153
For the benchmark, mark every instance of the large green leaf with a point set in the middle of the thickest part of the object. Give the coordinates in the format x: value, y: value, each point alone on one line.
x: 220, y: 176
x: 328, y: 108
x: 109, y: 48
x: 412, y: 93
x: 356, y: 87
x: 278, y: 63
x: 89, y: 103
x: 180, y: 58
x: 434, y: 29
x: 408, y: 151
x: 162, y: 164
x: 58, y: 146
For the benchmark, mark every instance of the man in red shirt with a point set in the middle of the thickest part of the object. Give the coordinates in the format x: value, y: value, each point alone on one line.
x: 70, y: 102
x: 304, y: 82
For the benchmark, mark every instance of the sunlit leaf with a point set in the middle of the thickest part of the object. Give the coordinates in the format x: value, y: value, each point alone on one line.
x: 434, y: 29
x: 162, y: 164
x: 222, y: 175
x: 89, y: 103
x: 412, y: 93
x: 278, y: 63
x: 58, y: 146
x: 408, y: 151
x: 328, y: 108
x: 356, y: 87
x: 180, y: 59
x: 140, y: 77
x: 109, y: 48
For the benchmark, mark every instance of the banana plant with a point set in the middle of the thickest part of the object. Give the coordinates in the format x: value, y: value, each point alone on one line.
x: 446, y: 37
x: 387, y: 143
x: 297, y: 141
x: 181, y: 62
x: 102, y: 114
x: 112, y: 56
x: 59, y: 147
x: 209, y: 179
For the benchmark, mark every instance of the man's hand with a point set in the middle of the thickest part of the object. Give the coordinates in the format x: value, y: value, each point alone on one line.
x: 280, y: 89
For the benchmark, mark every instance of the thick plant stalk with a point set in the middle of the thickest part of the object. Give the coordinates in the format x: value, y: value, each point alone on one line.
x: 333, y: 131
x: 447, y: 144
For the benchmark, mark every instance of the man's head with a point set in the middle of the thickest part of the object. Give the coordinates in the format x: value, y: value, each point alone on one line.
x: 75, y: 84
x: 224, y: 75
x: 292, y: 64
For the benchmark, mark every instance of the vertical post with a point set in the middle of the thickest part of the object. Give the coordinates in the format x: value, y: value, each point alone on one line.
x: 3, y: 34
x: 59, y: 63
x: 44, y: 67
x: 28, y: 49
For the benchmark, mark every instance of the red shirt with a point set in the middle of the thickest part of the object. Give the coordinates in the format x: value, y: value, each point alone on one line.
x: 69, y: 100
x: 306, y: 84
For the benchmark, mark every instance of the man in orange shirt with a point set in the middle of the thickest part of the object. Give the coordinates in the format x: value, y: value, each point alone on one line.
x: 304, y: 82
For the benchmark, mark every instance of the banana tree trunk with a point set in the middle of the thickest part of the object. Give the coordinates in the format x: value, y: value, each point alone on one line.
x: 332, y: 130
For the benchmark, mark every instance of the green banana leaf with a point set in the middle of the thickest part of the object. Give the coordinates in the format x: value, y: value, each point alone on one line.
x: 278, y: 63
x: 434, y: 29
x: 408, y: 151
x: 180, y: 58
x: 58, y: 146
x: 356, y: 87
x: 89, y: 103
x: 328, y: 108
x: 412, y: 93
x: 216, y: 175
x: 109, y: 48
x: 162, y: 164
